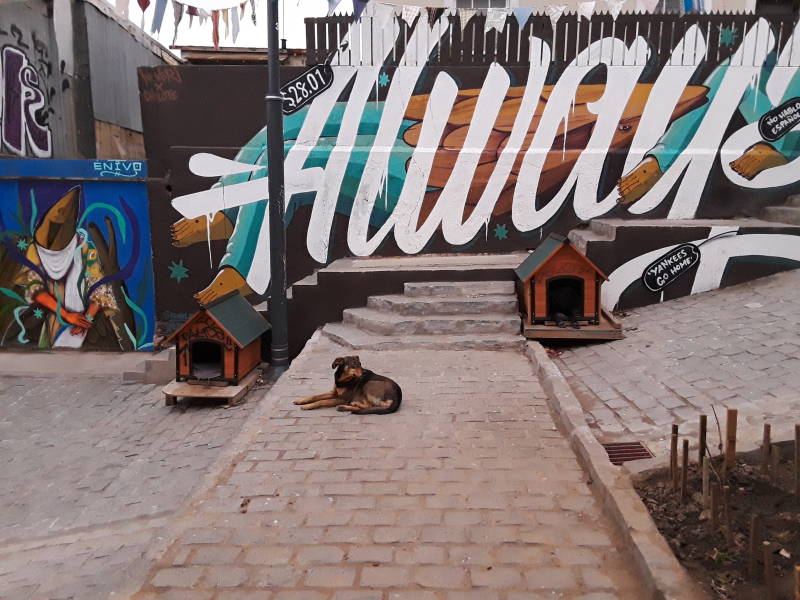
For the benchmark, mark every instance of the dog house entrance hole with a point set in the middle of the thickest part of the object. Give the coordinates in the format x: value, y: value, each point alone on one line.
x: 206, y: 360
x: 565, y: 297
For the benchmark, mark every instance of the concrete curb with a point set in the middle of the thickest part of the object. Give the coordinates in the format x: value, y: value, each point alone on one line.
x: 661, y: 575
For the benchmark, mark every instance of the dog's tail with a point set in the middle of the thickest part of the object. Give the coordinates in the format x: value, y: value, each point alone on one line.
x: 384, y: 411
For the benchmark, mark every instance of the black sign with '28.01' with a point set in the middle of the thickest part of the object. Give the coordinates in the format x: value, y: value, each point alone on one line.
x: 302, y: 90
x: 668, y: 267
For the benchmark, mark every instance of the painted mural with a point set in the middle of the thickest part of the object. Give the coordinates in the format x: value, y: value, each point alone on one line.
x: 25, y: 99
x: 407, y: 154
x: 75, y: 268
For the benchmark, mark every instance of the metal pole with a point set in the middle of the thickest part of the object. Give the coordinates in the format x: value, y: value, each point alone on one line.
x: 279, y: 349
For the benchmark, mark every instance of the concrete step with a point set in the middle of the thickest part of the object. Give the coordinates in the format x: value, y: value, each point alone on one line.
x: 783, y: 214
x: 598, y: 231
x: 793, y: 200
x: 359, y: 339
x: 158, y: 369
x: 443, y: 305
x: 384, y: 323
x: 469, y: 289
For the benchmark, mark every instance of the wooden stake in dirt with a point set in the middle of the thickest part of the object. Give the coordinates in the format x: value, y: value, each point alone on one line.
x: 769, y: 572
x: 797, y: 470
x: 766, y: 442
x: 706, y: 473
x: 755, y: 546
x: 673, y: 458
x: 701, y: 452
x: 726, y: 503
x: 685, y: 473
x: 797, y: 582
x: 775, y: 460
x: 714, y: 506
x: 730, y: 439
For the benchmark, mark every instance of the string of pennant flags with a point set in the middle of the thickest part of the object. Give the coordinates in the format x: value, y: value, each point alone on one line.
x: 496, y: 17
x: 226, y: 16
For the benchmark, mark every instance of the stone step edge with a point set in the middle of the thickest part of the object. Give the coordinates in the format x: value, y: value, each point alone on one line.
x: 339, y: 333
x: 416, y: 289
x: 373, y: 313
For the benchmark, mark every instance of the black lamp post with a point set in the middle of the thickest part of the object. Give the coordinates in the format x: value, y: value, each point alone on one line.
x: 279, y: 349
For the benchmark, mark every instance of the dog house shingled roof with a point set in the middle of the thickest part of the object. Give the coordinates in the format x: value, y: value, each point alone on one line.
x: 543, y: 253
x: 236, y: 317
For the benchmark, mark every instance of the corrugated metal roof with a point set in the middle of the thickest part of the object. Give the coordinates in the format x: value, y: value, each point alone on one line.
x: 238, y: 318
x: 535, y: 259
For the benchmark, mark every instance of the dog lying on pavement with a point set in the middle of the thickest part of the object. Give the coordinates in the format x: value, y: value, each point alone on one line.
x: 357, y: 390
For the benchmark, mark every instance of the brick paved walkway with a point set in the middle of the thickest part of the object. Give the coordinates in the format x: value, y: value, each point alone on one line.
x: 469, y: 492
x: 91, y: 469
x: 737, y: 347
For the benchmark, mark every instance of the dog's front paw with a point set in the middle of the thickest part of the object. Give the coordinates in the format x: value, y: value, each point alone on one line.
x: 298, y: 401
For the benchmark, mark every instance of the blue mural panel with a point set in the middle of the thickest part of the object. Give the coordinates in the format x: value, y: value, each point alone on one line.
x: 75, y: 255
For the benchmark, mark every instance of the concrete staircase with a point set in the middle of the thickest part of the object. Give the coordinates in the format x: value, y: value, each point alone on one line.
x: 787, y: 213
x: 156, y: 368
x: 438, y: 315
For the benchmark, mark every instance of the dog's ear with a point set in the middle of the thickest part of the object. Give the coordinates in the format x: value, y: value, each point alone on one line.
x: 356, y: 361
x: 337, y: 362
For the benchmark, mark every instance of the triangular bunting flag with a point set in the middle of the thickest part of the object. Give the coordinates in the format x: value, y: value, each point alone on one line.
x: 586, y: 9
x: 409, y: 14
x: 143, y: 4
x: 358, y: 8
x: 615, y: 7
x: 158, y: 16
x: 332, y: 4
x: 554, y: 11
x: 496, y: 19
x: 177, y: 14
x: 433, y: 14
x: 215, y: 28
x: 122, y: 7
x: 382, y: 14
x: 465, y: 15
x: 225, y: 19
x: 235, y: 22
x: 522, y: 15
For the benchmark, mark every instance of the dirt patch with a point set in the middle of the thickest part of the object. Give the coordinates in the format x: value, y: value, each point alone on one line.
x: 720, y: 565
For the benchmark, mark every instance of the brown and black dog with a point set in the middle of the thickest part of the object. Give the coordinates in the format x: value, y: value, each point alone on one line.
x: 357, y: 390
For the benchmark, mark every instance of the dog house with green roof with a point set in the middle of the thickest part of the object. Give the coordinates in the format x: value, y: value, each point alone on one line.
x: 556, y: 270
x: 221, y: 343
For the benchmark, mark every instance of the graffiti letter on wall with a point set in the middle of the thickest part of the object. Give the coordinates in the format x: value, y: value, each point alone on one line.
x: 21, y: 101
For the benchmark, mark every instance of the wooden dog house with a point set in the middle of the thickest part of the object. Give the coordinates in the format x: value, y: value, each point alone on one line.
x: 219, y: 344
x: 558, y: 278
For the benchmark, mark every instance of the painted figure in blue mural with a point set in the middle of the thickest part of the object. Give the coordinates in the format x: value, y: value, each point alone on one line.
x: 60, y: 283
x: 241, y: 226
x: 759, y: 157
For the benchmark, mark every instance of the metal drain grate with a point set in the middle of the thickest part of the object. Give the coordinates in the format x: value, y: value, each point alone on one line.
x: 620, y: 452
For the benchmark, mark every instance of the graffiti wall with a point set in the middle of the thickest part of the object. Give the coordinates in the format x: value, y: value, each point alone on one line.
x: 33, y: 87
x: 396, y: 144
x: 75, y: 269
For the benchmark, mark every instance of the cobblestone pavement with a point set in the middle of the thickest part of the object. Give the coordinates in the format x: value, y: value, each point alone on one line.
x: 91, y: 469
x: 737, y: 347
x: 468, y: 493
